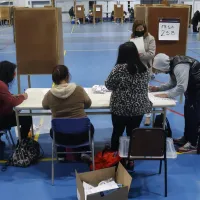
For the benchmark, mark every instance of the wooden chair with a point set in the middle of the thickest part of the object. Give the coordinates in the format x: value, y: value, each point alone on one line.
x: 149, y: 144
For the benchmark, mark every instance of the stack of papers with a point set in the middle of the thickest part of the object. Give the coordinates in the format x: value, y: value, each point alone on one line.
x: 99, y: 89
x: 89, y: 189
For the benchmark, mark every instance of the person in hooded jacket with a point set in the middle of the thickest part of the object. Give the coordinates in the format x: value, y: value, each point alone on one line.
x: 184, y: 78
x: 67, y: 100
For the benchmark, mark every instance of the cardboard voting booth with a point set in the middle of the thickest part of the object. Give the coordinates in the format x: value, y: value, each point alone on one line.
x: 119, y: 12
x: 39, y: 40
x: 97, y: 13
x: 121, y: 176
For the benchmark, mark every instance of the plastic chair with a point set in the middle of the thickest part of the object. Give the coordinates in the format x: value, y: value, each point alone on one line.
x: 7, y: 133
x: 149, y: 144
x: 71, y: 126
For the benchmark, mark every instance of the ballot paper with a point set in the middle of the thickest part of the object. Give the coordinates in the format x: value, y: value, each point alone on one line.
x: 99, y: 89
x: 139, y: 43
x: 153, y: 98
x: 89, y: 189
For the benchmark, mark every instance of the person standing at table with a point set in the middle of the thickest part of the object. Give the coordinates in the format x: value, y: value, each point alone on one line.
x: 67, y: 100
x: 139, y: 29
x: 184, y: 78
x: 9, y: 101
x: 129, y: 101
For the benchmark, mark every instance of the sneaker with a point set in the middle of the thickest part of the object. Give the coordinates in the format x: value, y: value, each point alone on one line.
x: 180, y: 141
x: 147, y: 121
x: 187, y: 148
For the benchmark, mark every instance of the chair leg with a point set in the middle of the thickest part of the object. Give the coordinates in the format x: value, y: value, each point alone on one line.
x: 160, y: 168
x: 165, y: 177
x: 13, y: 143
x: 93, y: 162
x: 198, y: 145
x: 52, y: 167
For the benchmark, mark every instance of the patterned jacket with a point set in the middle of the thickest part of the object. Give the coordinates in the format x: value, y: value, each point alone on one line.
x: 129, y: 93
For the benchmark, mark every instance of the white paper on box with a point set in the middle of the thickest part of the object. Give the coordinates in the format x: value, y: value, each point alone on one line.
x: 98, y: 9
x: 169, y: 29
x: 119, y: 6
x: 93, y: 190
x: 139, y: 43
x: 79, y: 8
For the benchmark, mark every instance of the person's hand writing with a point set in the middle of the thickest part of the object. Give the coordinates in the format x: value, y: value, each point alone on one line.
x: 153, y: 89
x: 25, y: 96
x: 161, y: 95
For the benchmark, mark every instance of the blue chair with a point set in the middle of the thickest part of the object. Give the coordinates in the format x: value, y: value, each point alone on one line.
x: 71, y: 126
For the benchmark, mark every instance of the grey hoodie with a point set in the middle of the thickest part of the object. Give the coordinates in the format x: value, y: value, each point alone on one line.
x: 177, y: 84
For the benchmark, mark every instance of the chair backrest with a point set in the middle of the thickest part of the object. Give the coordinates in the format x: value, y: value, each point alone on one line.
x: 148, y: 142
x: 70, y: 126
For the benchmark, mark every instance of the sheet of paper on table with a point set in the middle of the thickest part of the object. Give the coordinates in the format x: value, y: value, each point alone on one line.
x: 139, y: 43
x: 158, y: 99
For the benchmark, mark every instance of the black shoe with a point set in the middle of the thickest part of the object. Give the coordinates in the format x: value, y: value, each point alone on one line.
x: 180, y: 141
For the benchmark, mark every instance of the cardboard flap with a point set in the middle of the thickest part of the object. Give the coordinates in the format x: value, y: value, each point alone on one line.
x: 95, y: 177
x: 120, y: 194
x: 79, y: 186
x: 123, y: 177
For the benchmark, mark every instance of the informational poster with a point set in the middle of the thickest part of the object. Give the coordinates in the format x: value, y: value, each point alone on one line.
x: 79, y: 8
x: 169, y: 29
x: 98, y: 9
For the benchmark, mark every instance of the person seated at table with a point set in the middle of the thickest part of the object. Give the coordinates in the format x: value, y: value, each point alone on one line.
x: 67, y: 100
x: 129, y: 101
x: 9, y: 101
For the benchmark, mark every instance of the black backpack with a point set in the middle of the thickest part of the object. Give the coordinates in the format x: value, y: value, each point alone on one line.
x: 26, y: 153
x: 159, y: 124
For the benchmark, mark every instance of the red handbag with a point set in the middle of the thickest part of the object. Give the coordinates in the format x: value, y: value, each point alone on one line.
x: 106, y: 159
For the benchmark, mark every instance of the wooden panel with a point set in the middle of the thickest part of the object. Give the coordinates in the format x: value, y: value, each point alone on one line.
x: 5, y: 13
x: 38, y: 40
x: 80, y: 13
x: 119, y: 11
x: 140, y: 13
x: 97, y: 14
x: 171, y: 48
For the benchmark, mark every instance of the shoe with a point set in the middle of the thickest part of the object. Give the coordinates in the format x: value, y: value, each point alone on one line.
x: 130, y: 166
x: 180, y: 141
x: 153, y: 77
x: 147, y: 121
x: 187, y: 148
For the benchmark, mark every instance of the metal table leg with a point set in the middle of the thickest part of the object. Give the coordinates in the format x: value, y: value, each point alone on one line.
x: 18, y: 125
x: 164, y: 117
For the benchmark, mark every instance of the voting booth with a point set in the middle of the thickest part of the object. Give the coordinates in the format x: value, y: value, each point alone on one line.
x: 5, y: 13
x: 80, y: 12
x: 119, y: 12
x: 39, y: 41
x: 97, y: 13
x: 139, y: 12
x: 169, y: 26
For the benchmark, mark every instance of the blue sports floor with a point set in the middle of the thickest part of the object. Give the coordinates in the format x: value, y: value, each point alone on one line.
x: 91, y: 53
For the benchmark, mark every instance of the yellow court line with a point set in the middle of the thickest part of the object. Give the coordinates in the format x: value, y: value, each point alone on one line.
x: 65, y: 52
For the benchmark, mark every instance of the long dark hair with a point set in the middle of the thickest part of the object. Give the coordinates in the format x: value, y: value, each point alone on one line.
x: 60, y: 73
x: 128, y: 54
x: 7, y: 71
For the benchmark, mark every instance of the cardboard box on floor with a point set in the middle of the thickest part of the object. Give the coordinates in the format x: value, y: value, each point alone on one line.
x: 121, y: 176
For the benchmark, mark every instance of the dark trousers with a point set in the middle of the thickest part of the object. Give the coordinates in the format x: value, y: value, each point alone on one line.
x: 9, y: 121
x: 119, y: 125
x: 195, y: 27
x: 192, y: 117
x: 72, y: 139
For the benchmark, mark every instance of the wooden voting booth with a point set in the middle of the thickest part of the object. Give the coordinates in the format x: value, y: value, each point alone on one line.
x: 80, y: 12
x: 140, y: 11
x: 5, y: 14
x: 97, y: 13
x: 119, y: 12
x: 169, y: 26
x: 53, y: 3
x: 39, y: 41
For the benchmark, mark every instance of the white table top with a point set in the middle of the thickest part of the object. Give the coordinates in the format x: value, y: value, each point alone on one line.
x: 99, y: 101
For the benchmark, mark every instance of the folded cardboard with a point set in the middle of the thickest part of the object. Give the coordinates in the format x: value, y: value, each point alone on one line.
x: 121, y: 176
